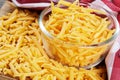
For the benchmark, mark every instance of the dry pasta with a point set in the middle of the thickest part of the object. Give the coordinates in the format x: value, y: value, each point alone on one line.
x: 75, y: 29
x: 22, y: 55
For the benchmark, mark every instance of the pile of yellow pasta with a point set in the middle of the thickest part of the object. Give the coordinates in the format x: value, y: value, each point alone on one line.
x: 22, y: 55
x: 78, y: 25
x: 75, y: 28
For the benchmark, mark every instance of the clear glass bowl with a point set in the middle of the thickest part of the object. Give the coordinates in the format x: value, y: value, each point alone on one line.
x: 85, y: 56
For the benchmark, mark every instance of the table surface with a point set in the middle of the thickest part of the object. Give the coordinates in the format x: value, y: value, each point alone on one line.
x: 1, y: 2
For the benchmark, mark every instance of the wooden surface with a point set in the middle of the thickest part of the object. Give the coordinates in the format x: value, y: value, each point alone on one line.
x: 1, y: 2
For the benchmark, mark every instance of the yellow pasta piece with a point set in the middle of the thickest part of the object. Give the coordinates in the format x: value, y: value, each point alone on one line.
x: 10, y: 20
x: 59, y: 76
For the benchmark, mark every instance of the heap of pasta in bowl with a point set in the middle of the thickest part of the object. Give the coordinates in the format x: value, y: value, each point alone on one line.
x: 77, y: 34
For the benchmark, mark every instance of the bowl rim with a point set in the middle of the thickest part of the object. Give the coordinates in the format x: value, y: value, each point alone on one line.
x: 112, y: 38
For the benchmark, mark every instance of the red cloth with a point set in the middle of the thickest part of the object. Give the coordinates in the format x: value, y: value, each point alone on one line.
x: 87, y: 1
x: 116, y: 2
x: 113, y: 4
x: 116, y: 70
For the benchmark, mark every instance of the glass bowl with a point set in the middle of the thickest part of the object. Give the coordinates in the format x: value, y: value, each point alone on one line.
x: 70, y: 54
